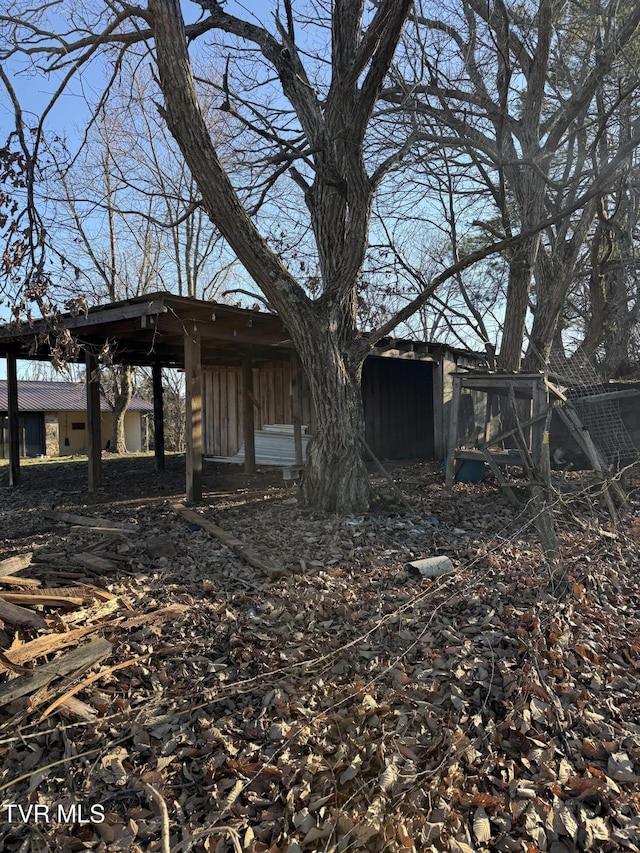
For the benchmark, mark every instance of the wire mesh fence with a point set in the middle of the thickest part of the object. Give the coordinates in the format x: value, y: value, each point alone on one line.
x: 598, y: 410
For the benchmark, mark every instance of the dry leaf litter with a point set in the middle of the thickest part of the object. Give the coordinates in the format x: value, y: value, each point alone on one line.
x: 343, y: 704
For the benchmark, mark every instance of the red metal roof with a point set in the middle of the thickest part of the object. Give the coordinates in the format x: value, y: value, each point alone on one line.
x: 59, y: 397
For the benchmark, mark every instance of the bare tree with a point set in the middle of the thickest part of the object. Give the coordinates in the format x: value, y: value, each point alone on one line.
x: 122, y: 261
x: 135, y: 221
x: 512, y: 87
x: 610, y: 308
x: 338, y: 191
x: 302, y: 99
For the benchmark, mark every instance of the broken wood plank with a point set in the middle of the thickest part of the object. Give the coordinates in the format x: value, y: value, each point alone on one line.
x: 87, y: 682
x: 90, y: 521
x: 20, y: 616
x: 246, y: 552
x: 95, y: 564
x: 156, y: 617
x: 7, y: 663
x: 46, y: 598
x: 112, y: 555
x: 46, y: 645
x: 101, y: 531
x: 42, y: 676
x: 85, y: 593
x: 93, y: 613
x: 15, y: 564
x: 98, y: 592
x: 76, y: 708
x: 11, y: 580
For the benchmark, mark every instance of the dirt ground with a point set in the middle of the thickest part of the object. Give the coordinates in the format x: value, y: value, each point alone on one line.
x: 167, y: 696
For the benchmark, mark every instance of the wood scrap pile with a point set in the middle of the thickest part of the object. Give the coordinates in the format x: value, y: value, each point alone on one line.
x: 45, y: 621
x: 350, y: 705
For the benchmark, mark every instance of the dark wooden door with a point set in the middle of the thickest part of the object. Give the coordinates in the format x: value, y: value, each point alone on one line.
x: 398, y: 406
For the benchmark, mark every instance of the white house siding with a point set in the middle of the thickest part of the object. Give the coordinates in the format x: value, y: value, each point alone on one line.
x: 72, y: 441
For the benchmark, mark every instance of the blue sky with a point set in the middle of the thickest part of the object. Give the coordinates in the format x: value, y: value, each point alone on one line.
x: 70, y: 113
x: 69, y: 116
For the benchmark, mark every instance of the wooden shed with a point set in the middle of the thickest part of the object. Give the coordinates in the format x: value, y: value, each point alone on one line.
x: 406, y: 391
x: 241, y: 372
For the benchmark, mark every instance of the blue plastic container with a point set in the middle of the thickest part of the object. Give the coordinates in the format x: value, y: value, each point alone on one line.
x: 470, y: 471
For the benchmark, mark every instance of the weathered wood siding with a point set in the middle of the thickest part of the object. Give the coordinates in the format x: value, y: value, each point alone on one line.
x: 223, y: 404
x: 222, y: 411
x: 399, y: 398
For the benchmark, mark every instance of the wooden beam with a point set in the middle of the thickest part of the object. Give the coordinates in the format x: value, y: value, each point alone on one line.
x: 497, y: 473
x: 248, y: 554
x: 583, y: 438
x: 14, y: 420
x: 296, y: 407
x: 438, y: 427
x: 610, y: 395
x: 94, y: 434
x: 453, y: 432
x: 193, y: 413
x: 96, y: 317
x: 248, y: 426
x: 158, y: 416
x: 540, y: 407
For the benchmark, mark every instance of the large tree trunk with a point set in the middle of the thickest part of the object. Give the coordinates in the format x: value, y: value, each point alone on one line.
x: 335, y: 478
x: 554, y: 271
x: 338, y: 197
x: 623, y: 318
x: 520, y: 274
x: 552, y: 282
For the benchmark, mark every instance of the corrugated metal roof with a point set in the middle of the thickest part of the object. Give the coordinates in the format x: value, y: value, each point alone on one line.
x: 59, y: 397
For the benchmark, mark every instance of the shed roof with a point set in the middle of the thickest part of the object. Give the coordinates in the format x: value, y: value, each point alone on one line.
x: 151, y: 329
x: 59, y: 397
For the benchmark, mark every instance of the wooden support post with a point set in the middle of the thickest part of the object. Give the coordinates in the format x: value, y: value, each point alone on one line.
x: 439, y: 439
x: 540, y: 407
x: 453, y: 431
x: 497, y: 473
x: 193, y: 414
x: 545, y: 452
x: 94, y: 434
x: 158, y: 416
x: 598, y: 463
x: 14, y: 420
x: 248, y: 426
x: 519, y: 435
x: 296, y: 407
x: 542, y: 515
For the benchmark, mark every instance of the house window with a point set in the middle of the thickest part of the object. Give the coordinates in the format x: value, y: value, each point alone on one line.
x: 77, y: 425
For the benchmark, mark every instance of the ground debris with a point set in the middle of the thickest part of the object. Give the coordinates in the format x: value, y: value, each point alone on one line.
x: 348, y: 705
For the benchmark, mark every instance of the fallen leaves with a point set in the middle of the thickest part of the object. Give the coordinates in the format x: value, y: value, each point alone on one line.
x: 350, y: 706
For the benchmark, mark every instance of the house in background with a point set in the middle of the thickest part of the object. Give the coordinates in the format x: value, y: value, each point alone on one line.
x: 53, y: 420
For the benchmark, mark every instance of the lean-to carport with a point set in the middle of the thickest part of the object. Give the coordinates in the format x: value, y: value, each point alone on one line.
x: 157, y: 330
